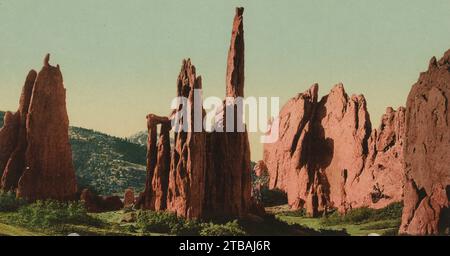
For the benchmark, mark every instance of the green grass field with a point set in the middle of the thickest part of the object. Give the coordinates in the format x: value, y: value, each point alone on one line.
x: 111, y: 227
x: 383, y: 225
x: 55, y: 218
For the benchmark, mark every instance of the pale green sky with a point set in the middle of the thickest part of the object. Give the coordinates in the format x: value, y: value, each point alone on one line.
x: 120, y: 59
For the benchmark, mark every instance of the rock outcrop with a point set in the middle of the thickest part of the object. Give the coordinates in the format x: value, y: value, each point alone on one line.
x: 427, y: 150
x: 208, y: 172
x: 35, y: 155
x: 286, y: 159
x: 95, y: 203
x: 260, y: 169
x: 328, y: 157
x: 381, y: 181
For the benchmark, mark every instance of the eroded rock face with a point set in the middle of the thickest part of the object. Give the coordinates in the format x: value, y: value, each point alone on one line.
x: 40, y: 163
x: 427, y: 150
x: 209, y: 173
x: 328, y: 157
x: 286, y: 159
x: 382, y: 179
x: 14, y: 163
x: 8, y: 139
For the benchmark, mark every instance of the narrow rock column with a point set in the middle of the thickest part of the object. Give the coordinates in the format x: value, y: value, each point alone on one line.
x: 160, y: 180
x: 158, y: 162
x: 229, y: 191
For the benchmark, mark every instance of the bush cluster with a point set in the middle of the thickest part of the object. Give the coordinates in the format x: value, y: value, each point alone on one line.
x: 273, y: 197
x: 231, y: 228
x: 49, y: 213
x: 9, y: 202
x: 166, y: 222
x: 364, y: 215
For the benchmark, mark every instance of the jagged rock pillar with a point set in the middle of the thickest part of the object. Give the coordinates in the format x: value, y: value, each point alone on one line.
x: 154, y: 196
x: 186, y: 193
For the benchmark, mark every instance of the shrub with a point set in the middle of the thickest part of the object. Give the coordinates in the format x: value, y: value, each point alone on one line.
x: 9, y: 202
x: 159, y: 222
x: 392, y: 211
x: 187, y: 228
x: 391, y: 232
x: 273, y: 197
x: 166, y: 222
x: 296, y: 213
x: 50, y: 214
x: 231, y: 228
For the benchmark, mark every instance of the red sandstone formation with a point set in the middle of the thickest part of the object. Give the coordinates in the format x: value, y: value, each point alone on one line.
x: 229, y: 175
x: 154, y: 196
x: 95, y: 203
x: 186, y: 192
x: 326, y: 156
x: 209, y: 173
x: 286, y: 166
x: 427, y: 150
x: 37, y: 158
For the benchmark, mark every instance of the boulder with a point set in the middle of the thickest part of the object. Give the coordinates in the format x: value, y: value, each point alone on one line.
x: 95, y: 203
x: 128, y: 198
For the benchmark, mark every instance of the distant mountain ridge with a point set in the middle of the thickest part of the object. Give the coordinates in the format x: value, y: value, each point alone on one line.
x: 105, y: 164
x: 139, y: 138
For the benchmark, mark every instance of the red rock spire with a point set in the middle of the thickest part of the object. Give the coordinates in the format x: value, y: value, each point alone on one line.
x: 235, y: 64
x: 40, y: 165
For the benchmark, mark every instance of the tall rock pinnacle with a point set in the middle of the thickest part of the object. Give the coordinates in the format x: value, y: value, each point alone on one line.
x: 229, y: 176
x: 209, y: 173
x: 40, y: 165
x: 235, y: 64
